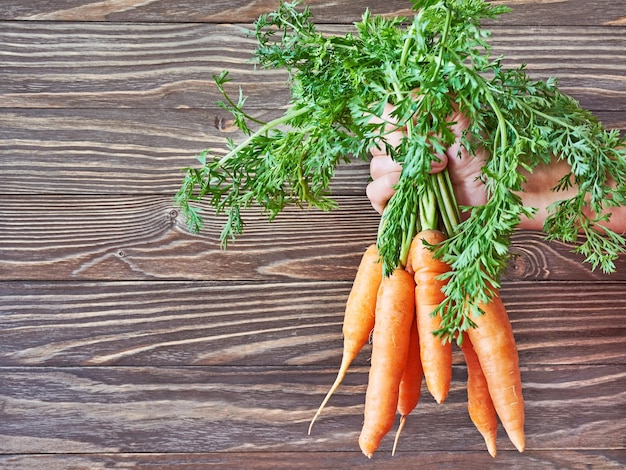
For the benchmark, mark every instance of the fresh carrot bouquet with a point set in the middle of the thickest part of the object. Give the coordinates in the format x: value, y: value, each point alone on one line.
x: 430, y: 280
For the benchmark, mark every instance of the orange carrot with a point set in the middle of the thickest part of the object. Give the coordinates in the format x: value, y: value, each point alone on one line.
x: 479, y: 403
x: 494, y: 344
x: 411, y: 382
x: 358, y: 319
x: 436, y: 356
x: 395, y: 310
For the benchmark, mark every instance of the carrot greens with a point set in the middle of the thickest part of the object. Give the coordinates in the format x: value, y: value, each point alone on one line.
x: 424, y: 66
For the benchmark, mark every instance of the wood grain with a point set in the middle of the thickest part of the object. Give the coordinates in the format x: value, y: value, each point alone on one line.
x: 122, y: 151
x: 117, y: 237
x: 529, y: 12
x: 131, y: 151
x: 283, y: 323
x: 144, y: 238
x: 171, y: 65
x: 531, y: 460
x: 127, y: 342
x: 265, y: 409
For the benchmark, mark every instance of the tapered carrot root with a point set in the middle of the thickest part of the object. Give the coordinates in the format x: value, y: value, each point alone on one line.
x: 494, y: 344
x: 479, y: 403
x: 436, y: 356
x: 410, y: 384
x: 358, y: 319
x: 395, y: 310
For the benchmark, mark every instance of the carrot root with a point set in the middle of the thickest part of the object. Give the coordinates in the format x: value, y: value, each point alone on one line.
x: 410, y: 384
x: 495, y: 347
x: 358, y: 317
x: 345, y: 363
x: 395, y: 311
x: 399, y: 311
x: 479, y: 403
x: 436, y: 356
x: 398, y: 432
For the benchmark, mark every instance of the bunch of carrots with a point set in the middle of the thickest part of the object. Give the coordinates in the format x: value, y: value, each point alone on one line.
x: 401, y: 313
x: 417, y: 305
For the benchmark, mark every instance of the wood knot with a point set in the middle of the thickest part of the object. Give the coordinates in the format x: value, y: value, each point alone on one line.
x: 225, y: 125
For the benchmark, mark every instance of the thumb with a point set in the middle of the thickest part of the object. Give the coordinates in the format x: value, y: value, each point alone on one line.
x: 439, y: 164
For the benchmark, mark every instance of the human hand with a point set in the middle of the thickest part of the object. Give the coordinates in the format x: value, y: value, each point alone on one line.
x: 465, y: 174
x: 464, y: 169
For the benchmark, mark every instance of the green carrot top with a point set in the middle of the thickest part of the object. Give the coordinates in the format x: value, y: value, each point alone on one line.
x: 338, y: 83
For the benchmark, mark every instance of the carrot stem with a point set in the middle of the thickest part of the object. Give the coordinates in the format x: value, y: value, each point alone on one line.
x: 407, y: 239
x: 428, y: 207
x: 449, y: 209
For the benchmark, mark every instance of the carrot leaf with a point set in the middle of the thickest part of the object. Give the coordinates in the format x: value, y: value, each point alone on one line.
x: 339, y: 82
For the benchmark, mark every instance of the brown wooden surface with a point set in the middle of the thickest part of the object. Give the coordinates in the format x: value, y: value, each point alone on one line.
x: 127, y: 342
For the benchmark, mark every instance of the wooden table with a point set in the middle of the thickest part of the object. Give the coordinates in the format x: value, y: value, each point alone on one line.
x: 127, y: 342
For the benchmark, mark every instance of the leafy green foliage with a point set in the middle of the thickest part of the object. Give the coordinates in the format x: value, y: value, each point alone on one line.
x: 338, y: 83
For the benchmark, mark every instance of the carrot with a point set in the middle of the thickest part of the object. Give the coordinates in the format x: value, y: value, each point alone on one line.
x: 411, y: 382
x: 436, y: 356
x: 358, y: 320
x: 395, y: 310
x: 494, y: 344
x: 479, y: 403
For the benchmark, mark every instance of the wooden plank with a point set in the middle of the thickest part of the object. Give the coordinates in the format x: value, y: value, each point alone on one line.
x: 117, y: 237
x: 131, y: 151
x: 118, y: 65
x: 266, y: 409
x: 528, y: 12
x: 113, y: 151
x: 531, y: 460
x: 61, y: 237
x: 270, y: 323
x: 89, y: 151
x: 125, y: 341
x: 171, y: 65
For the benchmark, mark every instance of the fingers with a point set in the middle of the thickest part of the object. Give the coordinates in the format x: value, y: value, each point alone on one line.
x: 380, y: 190
x: 440, y: 164
x: 385, y: 172
x: 465, y: 169
x: 382, y: 164
x: 393, y: 139
x: 393, y: 134
x: 386, y: 117
x: 457, y: 152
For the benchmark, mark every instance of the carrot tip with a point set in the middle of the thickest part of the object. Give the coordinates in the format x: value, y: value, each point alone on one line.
x: 438, y: 391
x: 518, y: 440
x: 343, y: 369
x: 440, y: 399
x: 400, y: 428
